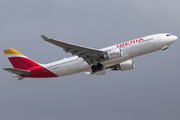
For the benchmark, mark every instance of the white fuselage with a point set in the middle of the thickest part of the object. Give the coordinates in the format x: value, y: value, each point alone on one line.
x: 129, y: 50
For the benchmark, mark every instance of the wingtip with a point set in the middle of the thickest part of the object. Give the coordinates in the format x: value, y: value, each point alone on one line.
x: 44, y: 37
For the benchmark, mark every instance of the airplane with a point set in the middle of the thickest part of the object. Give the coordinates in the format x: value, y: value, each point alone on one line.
x: 86, y: 59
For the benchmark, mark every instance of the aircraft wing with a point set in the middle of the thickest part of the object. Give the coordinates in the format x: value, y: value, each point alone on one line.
x: 90, y: 55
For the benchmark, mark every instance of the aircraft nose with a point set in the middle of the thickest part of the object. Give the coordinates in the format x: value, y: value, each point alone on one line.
x: 174, y: 38
x: 171, y: 39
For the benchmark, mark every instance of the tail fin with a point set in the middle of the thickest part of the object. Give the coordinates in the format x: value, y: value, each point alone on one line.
x: 18, y: 60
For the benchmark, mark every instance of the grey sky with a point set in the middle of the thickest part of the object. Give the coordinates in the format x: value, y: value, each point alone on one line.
x: 149, y: 92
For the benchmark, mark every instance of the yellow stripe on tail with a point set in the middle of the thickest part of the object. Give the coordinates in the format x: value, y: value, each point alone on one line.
x: 18, y: 60
x: 12, y: 51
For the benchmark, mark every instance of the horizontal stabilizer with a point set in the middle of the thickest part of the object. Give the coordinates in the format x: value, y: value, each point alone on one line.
x: 18, y: 76
x: 18, y: 71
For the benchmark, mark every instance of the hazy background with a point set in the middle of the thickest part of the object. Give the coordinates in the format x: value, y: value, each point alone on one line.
x: 149, y: 92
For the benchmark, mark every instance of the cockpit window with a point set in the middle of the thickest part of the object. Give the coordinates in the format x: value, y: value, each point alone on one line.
x: 168, y: 35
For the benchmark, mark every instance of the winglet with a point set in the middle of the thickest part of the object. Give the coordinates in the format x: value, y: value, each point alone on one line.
x: 44, y: 37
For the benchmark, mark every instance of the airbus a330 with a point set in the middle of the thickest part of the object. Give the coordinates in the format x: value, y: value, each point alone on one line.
x: 89, y: 60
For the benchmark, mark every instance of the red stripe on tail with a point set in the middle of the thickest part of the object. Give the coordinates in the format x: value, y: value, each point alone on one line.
x: 37, y: 71
x: 22, y: 62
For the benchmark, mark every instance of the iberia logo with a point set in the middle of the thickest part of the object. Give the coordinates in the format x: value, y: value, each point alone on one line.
x: 117, y: 53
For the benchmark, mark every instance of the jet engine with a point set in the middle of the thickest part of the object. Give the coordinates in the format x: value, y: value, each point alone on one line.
x: 127, y: 65
x: 115, y: 53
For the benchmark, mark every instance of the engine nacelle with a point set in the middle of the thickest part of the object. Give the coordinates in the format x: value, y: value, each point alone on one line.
x: 127, y: 65
x: 115, y: 53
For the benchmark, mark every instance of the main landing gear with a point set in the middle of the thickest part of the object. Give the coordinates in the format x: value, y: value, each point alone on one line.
x: 97, y: 67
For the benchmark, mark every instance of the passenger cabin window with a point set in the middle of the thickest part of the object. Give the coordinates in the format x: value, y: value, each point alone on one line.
x: 168, y: 35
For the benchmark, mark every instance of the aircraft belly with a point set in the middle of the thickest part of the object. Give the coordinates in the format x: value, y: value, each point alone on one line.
x: 67, y: 69
x: 84, y: 66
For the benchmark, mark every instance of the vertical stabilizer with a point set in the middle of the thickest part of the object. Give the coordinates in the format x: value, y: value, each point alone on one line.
x: 18, y: 60
x: 25, y: 67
